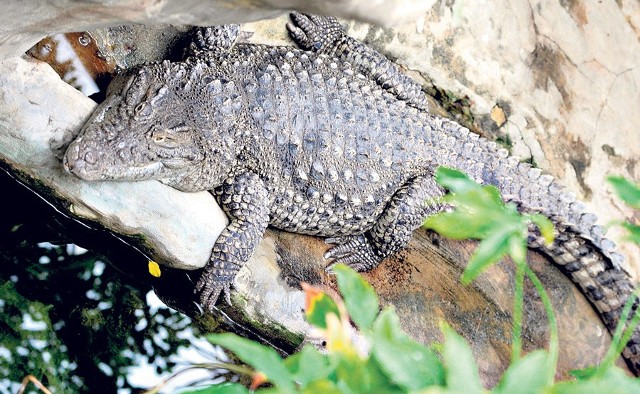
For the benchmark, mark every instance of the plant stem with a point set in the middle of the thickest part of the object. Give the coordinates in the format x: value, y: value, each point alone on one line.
x: 631, y: 327
x: 516, y: 345
x: 620, y: 336
x: 553, y: 324
x: 35, y: 381
x: 239, y: 369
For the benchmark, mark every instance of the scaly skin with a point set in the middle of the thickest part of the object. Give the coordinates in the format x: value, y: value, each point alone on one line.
x: 331, y: 140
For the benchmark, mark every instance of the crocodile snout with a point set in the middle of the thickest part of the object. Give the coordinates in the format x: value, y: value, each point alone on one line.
x: 81, y: 161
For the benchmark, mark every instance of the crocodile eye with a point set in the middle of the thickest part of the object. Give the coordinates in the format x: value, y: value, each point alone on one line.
x: 142, y: 109
x: 166, y: 140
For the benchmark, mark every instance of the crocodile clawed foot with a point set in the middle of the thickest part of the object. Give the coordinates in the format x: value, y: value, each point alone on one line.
x: 314, y: 32
x: 354, y: 251
x: 214, y: 38
x: 210, y: 290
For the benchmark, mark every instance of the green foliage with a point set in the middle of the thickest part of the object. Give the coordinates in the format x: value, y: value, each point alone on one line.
x: 308, y: 366
x: 527, y: 375
x: 359, y: 297
x: 262, y: 358
x: 406, y: 362
x: 395, y: 363
x: 628, y: 192
x: 480, y: 213
x: 612, y: 381
x: 91, y: 323
x: 634, y: 232
x: 319, y: 306
x: 88, y: 329
x: 461, y: 370
x: 223, y: 388
x: 31, y: 340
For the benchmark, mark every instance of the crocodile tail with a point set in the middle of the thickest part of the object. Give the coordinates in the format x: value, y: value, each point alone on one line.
x: 580, y: 249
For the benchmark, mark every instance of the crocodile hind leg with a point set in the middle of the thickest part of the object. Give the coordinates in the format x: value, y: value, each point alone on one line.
x: 406, y: 211
x: 324, y: 35
x: 244, y: 199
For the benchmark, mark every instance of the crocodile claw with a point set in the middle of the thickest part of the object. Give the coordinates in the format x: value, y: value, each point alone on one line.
x: 210, y: 290
x: 214, y: 38
x: 353, y: 251
x: 314, y: 32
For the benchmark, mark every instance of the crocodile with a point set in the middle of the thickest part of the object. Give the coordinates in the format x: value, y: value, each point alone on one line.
x: 329, y: 139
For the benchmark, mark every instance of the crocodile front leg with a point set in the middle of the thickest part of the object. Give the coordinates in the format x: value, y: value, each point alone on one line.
x: 406, y: 211
x: 214, y: 40
x: 323, y: 34
x: 244, y: 198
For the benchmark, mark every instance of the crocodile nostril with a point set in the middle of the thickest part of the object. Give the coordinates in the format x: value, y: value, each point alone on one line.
x: 110, y: 132
x: 90, y: 158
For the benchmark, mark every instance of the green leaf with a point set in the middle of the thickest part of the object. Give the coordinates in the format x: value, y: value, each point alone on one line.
x: 483, y: 202
x: 490, y: 251
x: 628, y: 191
x: 634, y: 232
x: 614, y: 381
x: 456, y: 225
x: 264, y: 359
x: 308, y: 365
x: 223, y: 388
x: 363, y: 376
x: 352, y: 374
x: 319, y: 305
x: 359, y: 297
x: 544, y: 225
x: 454, y: 180
x: 479, y: 209
x: 406, y: 362
x: 461, y: 370
x: 585, y: 373
x: 527, y: 375
x: 517, y: 248
x: 322, y: 386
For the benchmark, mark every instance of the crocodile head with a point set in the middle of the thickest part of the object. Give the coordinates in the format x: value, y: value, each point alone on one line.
x: 145, y: 129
